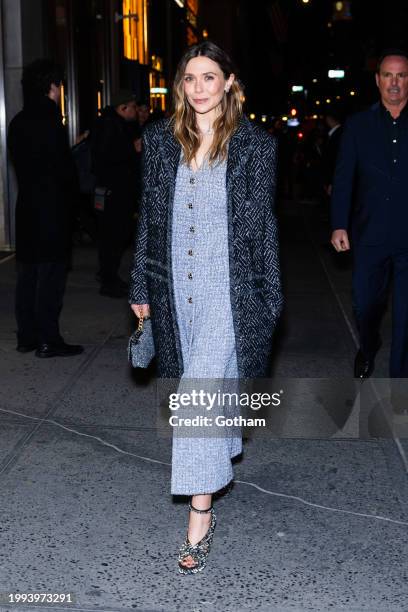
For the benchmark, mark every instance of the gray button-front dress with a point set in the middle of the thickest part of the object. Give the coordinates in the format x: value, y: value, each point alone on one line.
x: 200, y: 265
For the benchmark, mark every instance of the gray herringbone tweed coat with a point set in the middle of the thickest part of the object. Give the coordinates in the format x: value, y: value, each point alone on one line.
x: 255, y: 287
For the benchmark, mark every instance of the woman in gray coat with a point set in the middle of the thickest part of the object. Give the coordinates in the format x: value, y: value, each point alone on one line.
x: 206, y: 264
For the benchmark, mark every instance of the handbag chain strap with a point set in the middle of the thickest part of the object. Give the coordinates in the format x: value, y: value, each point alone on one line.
x: 140, y: 326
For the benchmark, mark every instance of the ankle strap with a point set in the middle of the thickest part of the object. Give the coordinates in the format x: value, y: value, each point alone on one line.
x: 191, y: 507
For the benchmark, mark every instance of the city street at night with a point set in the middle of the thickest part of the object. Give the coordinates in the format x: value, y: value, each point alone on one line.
x: 203, y: 306
x: 316, y: 520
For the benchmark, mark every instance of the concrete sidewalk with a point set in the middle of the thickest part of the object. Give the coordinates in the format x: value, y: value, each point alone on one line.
x: 310, y: 524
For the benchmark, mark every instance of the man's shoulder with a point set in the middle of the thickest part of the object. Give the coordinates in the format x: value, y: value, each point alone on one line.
x: 259, y: 137
x: 157, y: 127
x: 16, y: 120
x: 363, y: 117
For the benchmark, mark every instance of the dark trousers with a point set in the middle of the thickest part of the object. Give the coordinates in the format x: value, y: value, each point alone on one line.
x: 374, y: 268
x: 39, y: 294
x: 115, y: 230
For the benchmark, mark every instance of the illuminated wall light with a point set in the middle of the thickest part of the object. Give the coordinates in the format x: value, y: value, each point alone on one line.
x: 205, y: 34
x: 300, y: 135
x: 317, y: 102
x: 328, y: 100
x: 284, y: 118
x: 352, y: 93
x: 99, y: 102
x: 315, y: 117
x: 305, y: 1
x: 338, y: 97
x: 62, y: 104
x: 252, y: 116
x: 135, y: 30
x: 180, y: 3
x: 293, y: 112
x: 297, y: 88
x: 339, y: 6
x: 314, y: 81
x: 158, y: 90
x: 329, y: 25
x: 263, y: 119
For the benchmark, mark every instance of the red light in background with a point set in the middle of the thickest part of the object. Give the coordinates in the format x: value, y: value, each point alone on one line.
x: 300, y: 135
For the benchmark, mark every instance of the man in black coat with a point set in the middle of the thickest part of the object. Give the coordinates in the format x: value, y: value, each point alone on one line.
x: 114, y: 142
x: 372, y: 165
x: 46, y: 189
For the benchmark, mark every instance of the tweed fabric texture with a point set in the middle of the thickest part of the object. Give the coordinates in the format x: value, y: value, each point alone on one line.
x: 255, y: 287
x: 200, y: 267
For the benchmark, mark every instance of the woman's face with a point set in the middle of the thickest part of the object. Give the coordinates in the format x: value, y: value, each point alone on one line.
x: 205, y: 84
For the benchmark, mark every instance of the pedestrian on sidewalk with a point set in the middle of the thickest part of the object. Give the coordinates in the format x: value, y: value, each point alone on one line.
x: 47, y: 192
x: 115, y: 142
x: 372, y: 164
x: 333, y: 119
x: 206, y: 263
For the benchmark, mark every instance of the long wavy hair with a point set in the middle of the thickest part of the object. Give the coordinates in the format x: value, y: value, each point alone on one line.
x: 184, y: 124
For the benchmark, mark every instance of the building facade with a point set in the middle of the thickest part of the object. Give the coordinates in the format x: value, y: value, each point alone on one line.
x: 103, y: 45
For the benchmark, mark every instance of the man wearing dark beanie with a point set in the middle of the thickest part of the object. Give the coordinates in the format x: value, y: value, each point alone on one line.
x: 115, y: 165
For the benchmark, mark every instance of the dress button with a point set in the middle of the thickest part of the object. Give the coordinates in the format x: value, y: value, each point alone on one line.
x: 190, y: 300
x: 192, y: 229
x: 190, y: 251
x: 192, y: 180
x: 190, y: 276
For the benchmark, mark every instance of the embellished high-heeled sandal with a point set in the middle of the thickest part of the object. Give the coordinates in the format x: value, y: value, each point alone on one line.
x: 198, y: 552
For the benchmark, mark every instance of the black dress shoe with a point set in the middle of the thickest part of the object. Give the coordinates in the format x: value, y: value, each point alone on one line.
x: 363, y: 367
x: 27, y: 348
x: 59, y: 350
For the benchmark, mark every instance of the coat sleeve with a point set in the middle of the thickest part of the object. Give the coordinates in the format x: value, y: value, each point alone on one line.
x: 138, y: 288
x: 265, y: 178
x: 341, y: 200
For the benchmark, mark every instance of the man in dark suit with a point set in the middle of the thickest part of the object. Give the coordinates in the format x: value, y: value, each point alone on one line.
x: 372, y: 165
x: 46, y: 191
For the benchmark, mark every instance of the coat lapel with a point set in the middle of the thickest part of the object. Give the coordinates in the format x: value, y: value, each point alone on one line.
x: 170, y: 150
x: 238, y: 150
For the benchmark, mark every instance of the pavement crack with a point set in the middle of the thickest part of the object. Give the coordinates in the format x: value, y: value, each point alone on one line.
x: 241, y: 482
